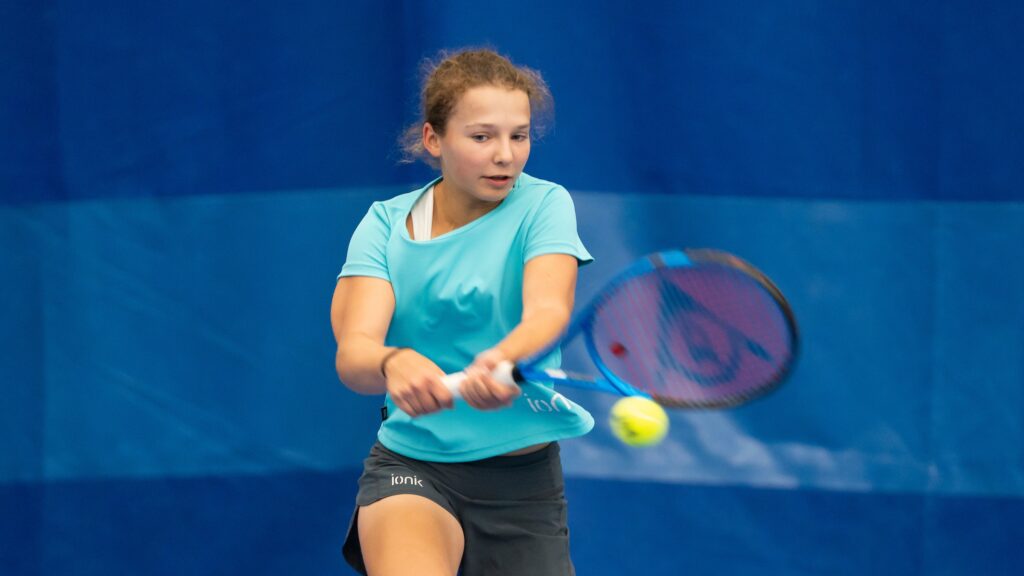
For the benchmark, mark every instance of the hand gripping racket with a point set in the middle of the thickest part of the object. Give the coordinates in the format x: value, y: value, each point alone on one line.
x: 694, y: 328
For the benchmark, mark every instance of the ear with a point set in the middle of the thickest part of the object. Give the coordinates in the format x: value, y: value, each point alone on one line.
x: 431, y: 140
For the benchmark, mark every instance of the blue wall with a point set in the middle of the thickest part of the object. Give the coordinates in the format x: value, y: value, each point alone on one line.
x: 178, y: 185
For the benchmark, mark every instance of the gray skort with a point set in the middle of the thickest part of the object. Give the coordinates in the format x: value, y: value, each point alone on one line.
x: 512, y: 509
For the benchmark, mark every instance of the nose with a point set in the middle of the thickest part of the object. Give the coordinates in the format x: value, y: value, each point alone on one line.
x: 503, y: 154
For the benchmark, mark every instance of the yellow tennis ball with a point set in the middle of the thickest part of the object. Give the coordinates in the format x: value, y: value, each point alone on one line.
x: 638, y: 421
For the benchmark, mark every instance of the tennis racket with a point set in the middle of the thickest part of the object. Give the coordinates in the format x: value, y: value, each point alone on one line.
x: 694, y: 328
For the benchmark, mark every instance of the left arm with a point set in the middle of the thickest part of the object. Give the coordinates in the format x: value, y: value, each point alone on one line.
x: 549, y: 289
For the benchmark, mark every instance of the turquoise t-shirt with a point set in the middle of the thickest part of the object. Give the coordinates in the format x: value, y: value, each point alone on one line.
x: 459, y: 294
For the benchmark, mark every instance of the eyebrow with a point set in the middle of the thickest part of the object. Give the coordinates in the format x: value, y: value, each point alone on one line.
x: 492, y: 126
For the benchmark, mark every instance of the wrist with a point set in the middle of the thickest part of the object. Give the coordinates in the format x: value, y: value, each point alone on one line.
x: 502, y: 354
x: 387, y: 357
x: 492, y: 355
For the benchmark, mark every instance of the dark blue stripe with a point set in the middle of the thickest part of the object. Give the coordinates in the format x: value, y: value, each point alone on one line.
x: 294, y: 524
x: 29, y: 128
x: 789, y: 99
x: 619, y: 527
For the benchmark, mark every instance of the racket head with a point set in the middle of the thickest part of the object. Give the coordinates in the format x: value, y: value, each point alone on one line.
x: 696, y: 328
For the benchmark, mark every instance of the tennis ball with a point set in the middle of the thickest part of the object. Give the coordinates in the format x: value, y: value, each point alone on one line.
x: 638, y: 421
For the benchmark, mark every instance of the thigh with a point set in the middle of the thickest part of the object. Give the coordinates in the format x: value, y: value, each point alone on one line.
x: 408, y: 534
x: 402, y: 511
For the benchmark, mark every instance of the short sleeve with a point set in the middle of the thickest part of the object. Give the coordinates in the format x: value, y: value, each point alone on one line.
x: 367, y: 251
x: 552, y: 229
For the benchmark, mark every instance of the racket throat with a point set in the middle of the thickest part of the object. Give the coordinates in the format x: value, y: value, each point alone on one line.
x: 517, y: 375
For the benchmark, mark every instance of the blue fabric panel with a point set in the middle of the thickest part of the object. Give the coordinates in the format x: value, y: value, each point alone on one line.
x: 729, y: 97
x: 907, y: 392
x: 29, y: 146
x: 973, y: 536
x: 724, y: 98
x: 199, y: 335
x: 21, y: 528
x: 908, y: 380
x: 981, y: 86
x: 978, y: 354
x: 196, y: 98
x: 177, y: 343
x: 726, y: 530
x: 633, y: 528
x: 294, y: 523
x: 22, y: 358
x: 178, y: 184
x: 207, y: 525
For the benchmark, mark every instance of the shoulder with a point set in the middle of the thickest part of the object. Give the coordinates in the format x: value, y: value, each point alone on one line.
x: 542, y: 195
x: 549, y: 223
x: 536, y: 194
x: 537, y: 187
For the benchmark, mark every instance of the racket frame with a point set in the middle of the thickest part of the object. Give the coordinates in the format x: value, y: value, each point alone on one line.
x: 609, y: 382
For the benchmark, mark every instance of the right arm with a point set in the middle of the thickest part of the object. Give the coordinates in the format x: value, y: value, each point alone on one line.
x: 361, y: 312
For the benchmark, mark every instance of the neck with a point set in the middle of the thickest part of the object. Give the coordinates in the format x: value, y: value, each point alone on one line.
x: 453, y: 210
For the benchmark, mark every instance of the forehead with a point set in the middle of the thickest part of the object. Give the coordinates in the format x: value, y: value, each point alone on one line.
x: 492, y: 105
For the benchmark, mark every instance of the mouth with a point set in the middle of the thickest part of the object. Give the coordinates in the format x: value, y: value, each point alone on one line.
x: 499, y: 179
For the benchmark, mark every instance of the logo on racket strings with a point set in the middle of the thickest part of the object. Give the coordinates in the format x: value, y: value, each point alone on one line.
x: 705, y: 360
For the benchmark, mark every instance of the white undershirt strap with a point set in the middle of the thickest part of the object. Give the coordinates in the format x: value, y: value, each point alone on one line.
x: 423, y: 216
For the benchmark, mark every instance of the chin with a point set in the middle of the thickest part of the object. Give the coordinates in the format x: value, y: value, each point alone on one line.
x: 493, y: 195
x: 490, y: 194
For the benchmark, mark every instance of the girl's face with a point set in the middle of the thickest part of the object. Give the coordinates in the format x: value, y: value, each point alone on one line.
x: 486, y: 142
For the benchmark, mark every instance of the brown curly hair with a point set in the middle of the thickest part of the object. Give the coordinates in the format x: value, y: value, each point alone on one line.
x: 449, y: 77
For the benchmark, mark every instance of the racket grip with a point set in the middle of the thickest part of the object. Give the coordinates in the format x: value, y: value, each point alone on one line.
x: 502, y: 373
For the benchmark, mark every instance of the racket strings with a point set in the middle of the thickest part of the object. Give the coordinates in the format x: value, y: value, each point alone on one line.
x: 695, y: 336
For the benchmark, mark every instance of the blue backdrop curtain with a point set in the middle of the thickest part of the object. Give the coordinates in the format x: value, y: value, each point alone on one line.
x: 178, y: 184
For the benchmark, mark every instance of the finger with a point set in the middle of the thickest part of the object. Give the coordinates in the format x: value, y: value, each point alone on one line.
x: 492, y: 399
x: 499, y: 390
x: 486, y: 364
x: 477, y: 394
x: 425, y: 399
x: 488, y: 392
x: 407, y: 403
x: 441, y: 393
x: 470, y: 393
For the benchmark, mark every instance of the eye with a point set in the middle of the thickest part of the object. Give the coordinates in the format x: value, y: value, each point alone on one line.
x: 479, y: 137
x: 523, y: 137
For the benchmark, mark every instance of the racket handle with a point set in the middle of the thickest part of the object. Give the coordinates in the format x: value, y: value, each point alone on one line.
x: 502, y: 373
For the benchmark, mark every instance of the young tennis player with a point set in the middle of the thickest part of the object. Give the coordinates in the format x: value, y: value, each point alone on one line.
x: 475, y: 268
